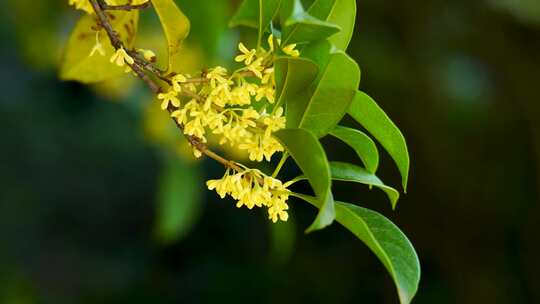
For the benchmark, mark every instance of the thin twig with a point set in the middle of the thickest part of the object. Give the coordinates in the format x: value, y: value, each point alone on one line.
x: 126, y: 7
x: 98, y: 6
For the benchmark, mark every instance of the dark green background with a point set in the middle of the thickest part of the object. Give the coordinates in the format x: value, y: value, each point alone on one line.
x: 78, y: 179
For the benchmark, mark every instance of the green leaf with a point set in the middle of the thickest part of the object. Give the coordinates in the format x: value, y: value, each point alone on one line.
x: 178, y: 201
x: 256, y: 14
x: 176, y: 28
x: 247, y: 15
x: 299, y: 26
x: 320, y: 108
x: 364, y: 146
x: 339, y: 12
x: 351, y: 173
x: 366, y: 112
x: 385, y: 240
x: 319, y: 52
x: 309, y: 155
x: 77, y: 63
x: 293, y: 76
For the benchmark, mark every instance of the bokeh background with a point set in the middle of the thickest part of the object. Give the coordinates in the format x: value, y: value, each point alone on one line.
x: 99, y: 202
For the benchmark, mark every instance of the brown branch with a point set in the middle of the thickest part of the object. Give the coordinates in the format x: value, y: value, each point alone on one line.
x: 138, y: 68
x: 126, y: 7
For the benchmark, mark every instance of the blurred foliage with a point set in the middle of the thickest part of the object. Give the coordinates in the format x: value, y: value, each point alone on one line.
x: 79, y: 177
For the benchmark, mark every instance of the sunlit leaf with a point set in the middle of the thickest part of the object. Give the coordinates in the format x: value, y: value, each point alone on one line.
x: 179, y: 200
x: 256, y: 14
x: 366, y: 112
x: 385, y: 240
x: 299, y: 26
x: 309, y: 155
x: 351, y: 173
x: 77, y: 63
x: 176, y: 28
x: 364, y: 146
x: 323, y: 105
x: 293, y: 77
x: 339, y: 12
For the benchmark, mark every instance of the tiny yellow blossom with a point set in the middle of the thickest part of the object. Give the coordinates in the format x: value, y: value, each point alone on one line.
x: 98, y: 47
x: 268, y: 77
x: 276, y: 121
x: 247, y: 55
x: 148, y: 55
x: 177, y: 82
x: 169, y: 98
x: 197, y: 153
x: 266, y: 92
x: 252, y: 188
x: 271, y: 42
x: 217, y: 76
x: 256, y: 67
x: 121, y: 57
x: 291, y: 50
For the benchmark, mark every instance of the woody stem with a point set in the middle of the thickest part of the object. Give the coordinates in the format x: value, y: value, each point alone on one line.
x: 139, y: 67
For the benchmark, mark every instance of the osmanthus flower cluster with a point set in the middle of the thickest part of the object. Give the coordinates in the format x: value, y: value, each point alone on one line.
x: 226, y: 105
x: 238, y: 107
x: 252, y: 188
x: 317, y: 86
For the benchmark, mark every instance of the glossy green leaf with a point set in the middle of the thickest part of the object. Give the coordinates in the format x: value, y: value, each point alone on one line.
x: 366, y: 112
x: 385, y: 240
x: 309, y: 155
x: 339, y: 12
x: 321, y: 107
x: 319, y: 52
x: 299, y: 26
x: 176, y: 28
x: 351, y: 173
x: 293, y: 77
x: 77, y: 63
x: 362, y: 144
x: 256, y: 14
x: 247, y: 14
x: 179, y: 200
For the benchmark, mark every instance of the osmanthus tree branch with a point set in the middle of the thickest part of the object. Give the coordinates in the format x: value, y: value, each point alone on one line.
x: 139, y: 67
x: 126, y: 7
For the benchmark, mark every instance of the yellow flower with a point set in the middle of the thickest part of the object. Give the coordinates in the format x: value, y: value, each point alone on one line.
x: 256, y: 67
x: 169, y: 98
x: 197, y: 153
x: 268, y: 77
x: 271, y: 42
x: 177, y: 82
x: 291, y: 50
x: 266, y: 92
x: 121, y: 57
x: 180, y: 116
x: 252, y: 188
x: 216, y: 76
x: 276, y: 121
x: 147, y: 54
x: 288, y: 49
x: 195, y: 128
x: 247, y: 55
x: 98, y: 47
